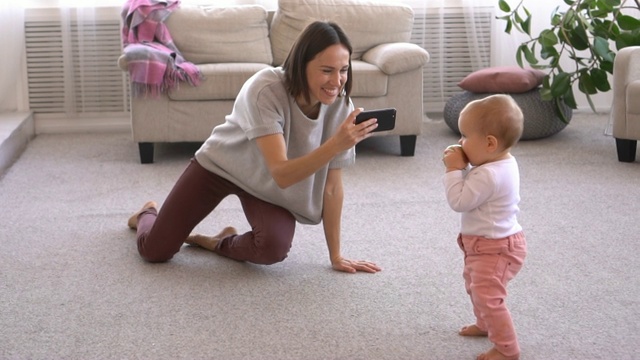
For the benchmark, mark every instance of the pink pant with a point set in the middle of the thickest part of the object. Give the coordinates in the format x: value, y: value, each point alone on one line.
x: 197, y: 192
x: 489, y: 265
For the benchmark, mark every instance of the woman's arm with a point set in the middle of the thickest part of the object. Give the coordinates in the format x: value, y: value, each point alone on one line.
x: 332, y: 213
x: 331, y: 220
x: 287, y: 172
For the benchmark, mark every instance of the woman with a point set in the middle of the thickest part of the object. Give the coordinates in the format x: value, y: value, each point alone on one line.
x: 280, y: 151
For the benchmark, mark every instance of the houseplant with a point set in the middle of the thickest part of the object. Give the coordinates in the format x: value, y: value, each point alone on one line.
x: 588, y: 32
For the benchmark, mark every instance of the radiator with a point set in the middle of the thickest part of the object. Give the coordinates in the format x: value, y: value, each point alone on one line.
x: 454, y: 57
x: 63, y: 80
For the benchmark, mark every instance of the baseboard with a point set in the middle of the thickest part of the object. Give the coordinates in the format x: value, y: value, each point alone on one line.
x: 16, y: 130
x: 52, y: 125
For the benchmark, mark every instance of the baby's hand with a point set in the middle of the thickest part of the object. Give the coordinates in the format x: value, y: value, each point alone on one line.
x: 454, y: 158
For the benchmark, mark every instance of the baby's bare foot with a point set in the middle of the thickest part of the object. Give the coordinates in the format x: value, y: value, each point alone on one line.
x: 494, y: 354
x: 133, y: 220
x: 210, y: 242
x: 472, y: 330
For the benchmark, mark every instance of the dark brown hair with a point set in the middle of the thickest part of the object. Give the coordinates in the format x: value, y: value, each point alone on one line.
x: 314, y: 39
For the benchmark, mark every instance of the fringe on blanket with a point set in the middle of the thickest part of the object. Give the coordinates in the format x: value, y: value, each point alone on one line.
x: 155, y: 63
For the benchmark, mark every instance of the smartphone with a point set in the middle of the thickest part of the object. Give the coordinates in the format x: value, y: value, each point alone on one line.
x: 386, y: 118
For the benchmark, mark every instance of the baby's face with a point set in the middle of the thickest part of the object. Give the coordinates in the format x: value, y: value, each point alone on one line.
x: 473, y: 141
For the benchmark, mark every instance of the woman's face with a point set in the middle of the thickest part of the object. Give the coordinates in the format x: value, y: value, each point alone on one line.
x: 327, y: 74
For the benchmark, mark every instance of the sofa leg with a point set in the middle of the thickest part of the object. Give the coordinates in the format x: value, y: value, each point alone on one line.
x: 407, y: 145
x: 626, y: 150
x: 146, y: 152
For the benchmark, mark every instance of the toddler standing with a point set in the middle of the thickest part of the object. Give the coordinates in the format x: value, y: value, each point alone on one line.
x: 482, y: 182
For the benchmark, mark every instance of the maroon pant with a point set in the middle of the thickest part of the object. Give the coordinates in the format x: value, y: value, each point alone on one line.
x: 196, y: 193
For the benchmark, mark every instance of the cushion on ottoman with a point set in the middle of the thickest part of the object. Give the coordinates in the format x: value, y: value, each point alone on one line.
x: 540, y: 119
x: 506, y: 79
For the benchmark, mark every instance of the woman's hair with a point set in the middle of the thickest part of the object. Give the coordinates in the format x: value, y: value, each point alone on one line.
x: 498, y: 115
x: 315, y: 38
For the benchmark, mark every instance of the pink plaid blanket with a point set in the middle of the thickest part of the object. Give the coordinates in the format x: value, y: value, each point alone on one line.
x: 155, y: 63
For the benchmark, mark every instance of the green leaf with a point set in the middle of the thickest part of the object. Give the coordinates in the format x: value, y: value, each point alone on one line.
x: 578, y: 38
x: 547, y: 38
x: 529, y: 54
x: 627, y: 39
x: 599, y: 13
x: 591, y: 105
x: 526, y: 25
x: 504, y: 6
x: 605, y: 29
x: 584, y: 5
x: 569, y: 2
x: 517, y: 17
x: 547, y: 52
x: 627, y: 22
x: 545, y: 94
x: 519, y: 54
x: 570, y: 100
x: 586, y: 85
x: 508, y: 28
x: 559, y: 110
x: 569, y: 18
x: 600, y: 80
x: 612, y: 3
x: 601, y: 48
x: 604, y: 7
x: 607, y: 65
x: 561, y: 84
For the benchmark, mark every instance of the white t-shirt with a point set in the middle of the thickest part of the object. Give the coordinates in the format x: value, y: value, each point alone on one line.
x: 264, y: 107
x: 487, y: 197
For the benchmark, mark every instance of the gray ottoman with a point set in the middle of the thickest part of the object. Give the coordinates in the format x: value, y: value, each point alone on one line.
x: 540, y: 119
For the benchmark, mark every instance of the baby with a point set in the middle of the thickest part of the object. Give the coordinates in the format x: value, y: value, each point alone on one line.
x: 482, y: 182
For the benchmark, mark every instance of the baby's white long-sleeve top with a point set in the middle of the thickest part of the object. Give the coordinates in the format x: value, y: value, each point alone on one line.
x: 487, y: 197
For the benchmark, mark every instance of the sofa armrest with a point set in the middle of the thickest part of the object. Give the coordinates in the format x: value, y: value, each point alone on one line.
x: 626, y: 69
x: 393, y: 58
x: 123, y: 63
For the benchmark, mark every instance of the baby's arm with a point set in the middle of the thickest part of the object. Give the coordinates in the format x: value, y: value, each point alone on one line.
x: 465, y: 193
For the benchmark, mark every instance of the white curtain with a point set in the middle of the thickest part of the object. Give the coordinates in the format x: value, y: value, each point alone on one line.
x: 11, y: 20
x: 502, y: 46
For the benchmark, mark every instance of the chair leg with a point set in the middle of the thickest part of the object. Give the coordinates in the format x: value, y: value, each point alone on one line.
x: 626, y: 150
x: 407, y: 145
x: 146, y: 152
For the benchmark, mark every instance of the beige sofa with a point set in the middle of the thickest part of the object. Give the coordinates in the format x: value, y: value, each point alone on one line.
x: 625, y: 109
x: 230, y: 44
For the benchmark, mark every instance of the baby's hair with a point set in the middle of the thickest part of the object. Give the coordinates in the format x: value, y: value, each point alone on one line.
x: 498, y: 115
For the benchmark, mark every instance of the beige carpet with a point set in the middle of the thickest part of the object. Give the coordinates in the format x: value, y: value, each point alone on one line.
x: 73, y: 287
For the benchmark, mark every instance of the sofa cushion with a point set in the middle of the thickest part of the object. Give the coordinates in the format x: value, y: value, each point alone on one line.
x: 502, y: 79
x: 221, y: 34
x: 221, y: 82
x: 366, y: 23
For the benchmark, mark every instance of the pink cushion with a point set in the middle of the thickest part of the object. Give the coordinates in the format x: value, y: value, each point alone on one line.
x: 502, y: 79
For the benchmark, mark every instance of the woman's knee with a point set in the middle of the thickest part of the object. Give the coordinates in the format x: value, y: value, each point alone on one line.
x: 274, y: 252
x: 154, y: 254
